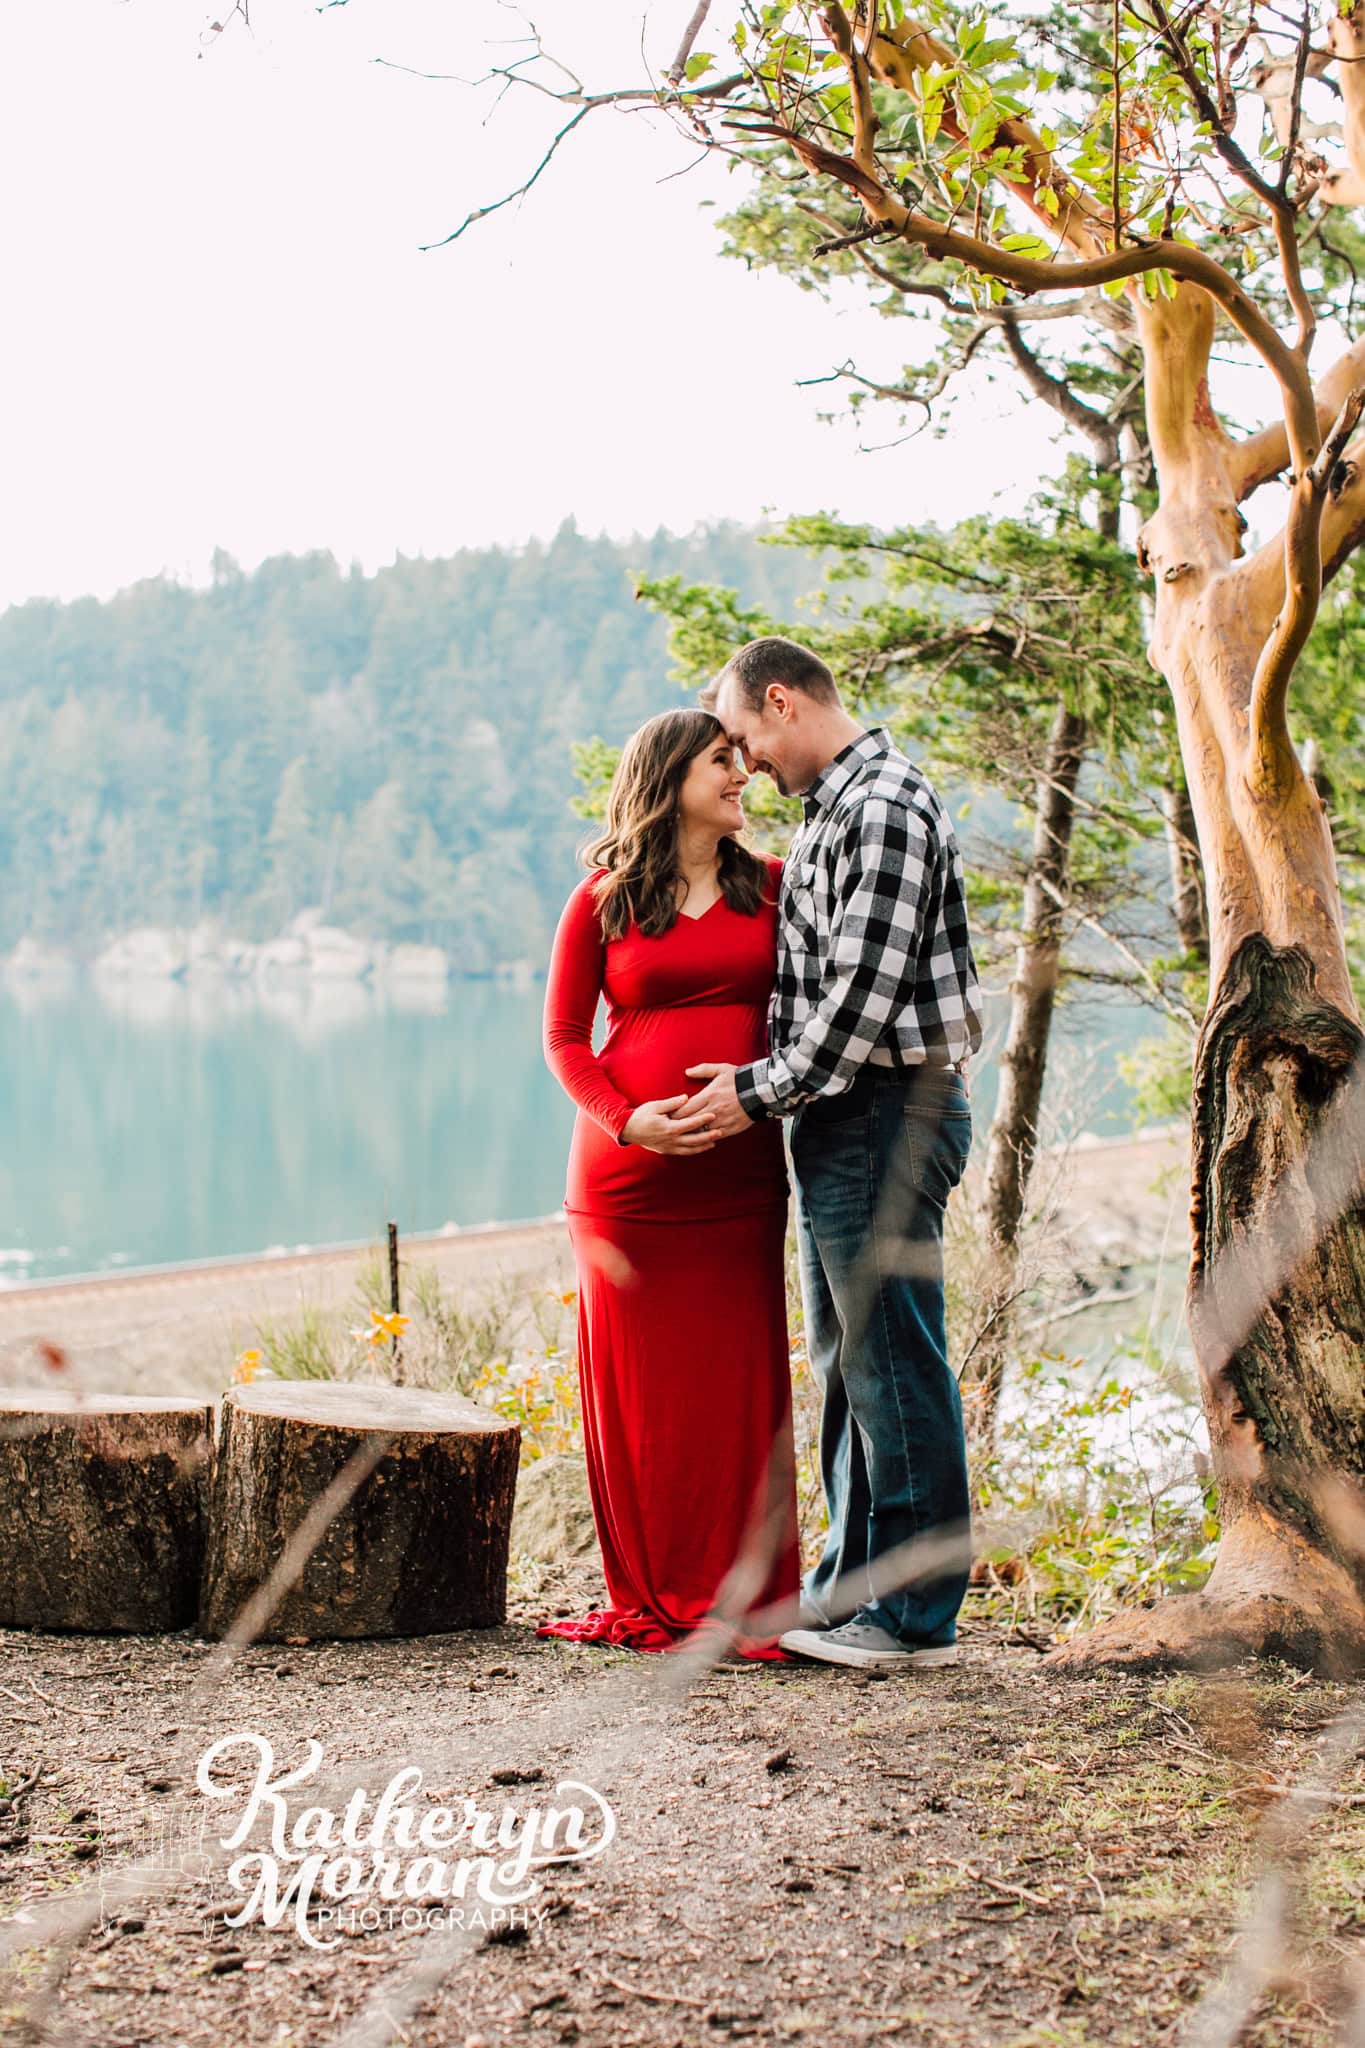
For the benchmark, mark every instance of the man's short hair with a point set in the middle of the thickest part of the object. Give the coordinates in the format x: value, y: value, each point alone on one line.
x: 772, y: 660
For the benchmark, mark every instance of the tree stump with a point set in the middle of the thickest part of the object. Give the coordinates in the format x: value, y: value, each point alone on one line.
x: 102, y: 1501
x: 419, y: 1547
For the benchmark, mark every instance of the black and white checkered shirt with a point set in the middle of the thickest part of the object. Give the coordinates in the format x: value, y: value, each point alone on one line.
x: 874, y: 965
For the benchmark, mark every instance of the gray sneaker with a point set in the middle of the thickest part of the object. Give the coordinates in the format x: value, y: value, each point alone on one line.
x: 862, y: 1644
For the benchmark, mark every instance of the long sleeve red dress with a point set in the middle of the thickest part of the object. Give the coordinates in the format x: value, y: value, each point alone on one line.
x: 682, y: 1327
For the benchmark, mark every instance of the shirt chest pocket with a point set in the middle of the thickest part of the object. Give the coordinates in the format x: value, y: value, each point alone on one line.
x: 803, y: 893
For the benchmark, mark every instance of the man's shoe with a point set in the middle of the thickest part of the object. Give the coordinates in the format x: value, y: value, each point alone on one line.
x: 860, y: 1643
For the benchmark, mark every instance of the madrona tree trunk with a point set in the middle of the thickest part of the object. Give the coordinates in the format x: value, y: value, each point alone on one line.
x: 1277, y: 1284
x: 1013, y: 1142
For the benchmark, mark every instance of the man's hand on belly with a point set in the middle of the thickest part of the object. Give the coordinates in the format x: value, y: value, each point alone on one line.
x: 718, y: 1099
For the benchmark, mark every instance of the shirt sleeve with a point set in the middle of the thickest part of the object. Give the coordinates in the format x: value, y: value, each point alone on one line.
x: 572, y: 992
x: 882, y: 880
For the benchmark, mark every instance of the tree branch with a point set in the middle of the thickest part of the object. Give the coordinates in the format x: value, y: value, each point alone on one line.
x: 1110, y: 313
x: 1220, y: 115
x: 1031, y: 274
x: 1271, y: 750
x: 1220, y: 119
x: 584, y: 104
x: 689, y: 36
x: 905, y: 394
x: 1176, y: 1009
x: 1263, y: 455
x: 1346, y: 40
x: 898, y: 54
x: 1056, y: 392
x: 840, y: 32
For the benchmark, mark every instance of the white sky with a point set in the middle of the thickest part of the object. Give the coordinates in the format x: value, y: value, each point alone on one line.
x: 221, y: 328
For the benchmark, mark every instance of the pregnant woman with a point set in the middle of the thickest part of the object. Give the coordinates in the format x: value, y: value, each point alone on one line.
x: 678, y: 1238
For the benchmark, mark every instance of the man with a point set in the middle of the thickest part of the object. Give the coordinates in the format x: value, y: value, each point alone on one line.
x: 875, y: 1012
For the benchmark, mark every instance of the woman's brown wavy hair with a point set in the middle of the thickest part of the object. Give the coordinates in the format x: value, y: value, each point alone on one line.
x: 637, y: 855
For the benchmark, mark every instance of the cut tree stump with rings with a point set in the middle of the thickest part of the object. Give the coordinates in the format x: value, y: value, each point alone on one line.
x: 418, y: 1548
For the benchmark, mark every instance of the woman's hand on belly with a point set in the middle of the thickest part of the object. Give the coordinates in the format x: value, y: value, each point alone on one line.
x: 657, y: 1128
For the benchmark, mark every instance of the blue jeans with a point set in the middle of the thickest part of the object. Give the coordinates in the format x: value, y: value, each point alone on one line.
x: 874, y: 1168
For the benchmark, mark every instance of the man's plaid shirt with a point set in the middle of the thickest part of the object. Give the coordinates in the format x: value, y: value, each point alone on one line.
x: 874, y: 965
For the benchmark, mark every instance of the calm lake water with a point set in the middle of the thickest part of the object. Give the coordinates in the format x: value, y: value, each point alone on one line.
x: 147, y: 1123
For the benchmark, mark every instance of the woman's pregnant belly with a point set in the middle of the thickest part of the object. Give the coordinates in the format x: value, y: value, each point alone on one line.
x: 646, y: 1056
x: 648, y: 1052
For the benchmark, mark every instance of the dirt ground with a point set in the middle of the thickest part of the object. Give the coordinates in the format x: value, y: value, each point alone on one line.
x: 985, y: 1854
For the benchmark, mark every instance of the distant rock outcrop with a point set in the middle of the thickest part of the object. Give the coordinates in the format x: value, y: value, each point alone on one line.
x: 337, y: 955
x: 306, y: 950
x: 35, y: 960
x: 282, y: 956
x: 148, y: 954
x: 418, y: 963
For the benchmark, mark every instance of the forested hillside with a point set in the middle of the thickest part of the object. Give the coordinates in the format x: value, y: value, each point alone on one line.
x: 393, y: 748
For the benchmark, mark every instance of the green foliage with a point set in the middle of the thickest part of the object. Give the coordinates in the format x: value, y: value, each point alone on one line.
x: 594, y: 763
x: 1112, y: 102
x: 510, y: 1350
x: 1074, y: 1480
x: 302, y: 1348
x: 392, y: 749
x: 965, y: 641
x: 1161, y: 1075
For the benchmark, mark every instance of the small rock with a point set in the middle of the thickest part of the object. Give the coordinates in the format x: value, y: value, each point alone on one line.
x: 552, y: 1517
x: 780, y: 1760
x: 510, y: 1936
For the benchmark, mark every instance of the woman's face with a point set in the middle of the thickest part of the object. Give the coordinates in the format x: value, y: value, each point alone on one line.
x: 710, y: 799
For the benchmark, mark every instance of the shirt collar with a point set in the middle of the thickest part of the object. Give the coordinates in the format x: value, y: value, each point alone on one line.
x: 846, y: 767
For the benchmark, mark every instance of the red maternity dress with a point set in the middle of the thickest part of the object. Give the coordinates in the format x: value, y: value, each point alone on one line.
x: 682, y: 1327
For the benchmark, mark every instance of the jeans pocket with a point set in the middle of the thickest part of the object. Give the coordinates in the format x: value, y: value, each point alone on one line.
x: 833, y: 1112
x: 940, y: 1144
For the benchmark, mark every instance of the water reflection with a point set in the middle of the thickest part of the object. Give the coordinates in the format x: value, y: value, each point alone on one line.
x: 144, y: 1122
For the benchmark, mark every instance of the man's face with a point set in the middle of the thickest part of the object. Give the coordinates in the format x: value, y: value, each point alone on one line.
x: 767, y: 737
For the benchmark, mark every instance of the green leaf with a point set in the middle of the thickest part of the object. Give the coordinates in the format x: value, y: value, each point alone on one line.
x: 1026, y: 245
x: 698, y: 64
